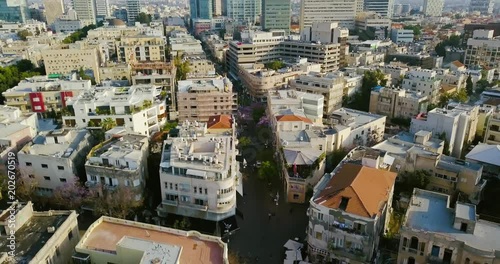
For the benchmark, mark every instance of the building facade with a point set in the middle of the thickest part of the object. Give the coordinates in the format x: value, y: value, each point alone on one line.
x: 55, y: 8
x: 481, y: 49
x: 14, y: 11
x: 199, y: 174
x: 341, y: 11
x: 397, y: 103
x: 197, y: 100
x: 276, y: 15
x: 65, y: 60
x: 433, y: 8
x: 425, y: 82
x: 141, y: 48
x: 133, y: 9
x: 484, y: 7
x: 85, y: 11
x: 247, y: 12
x: 384, y: 8
x: 492, y: 134
x: 402, y: 35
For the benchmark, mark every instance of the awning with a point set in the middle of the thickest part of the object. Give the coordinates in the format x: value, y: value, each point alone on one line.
x: 196, y: 173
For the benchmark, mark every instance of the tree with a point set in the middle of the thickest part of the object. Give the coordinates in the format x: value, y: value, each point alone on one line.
x: 267, y: 170
x: 334, y: 158
x: 118, y: 203
x: 457, y: 96
x: 182, y: 68
x: 258, y: 113
x: 71, y: 195
x: 410, y: 180
x: 169, y: 126
x: 482, y: 85
x: 184, y: 224
x: 417, y: 30
x: 79, y: 34
x: 244, y: 142
x: 26, y: 187
x: 3, y: 184
x: 108, y: 123
x: 23, y: 34
x: 469, y: 86
x: 275, y: 65
x: 144, y: 18
x: 361, y: 99
x: 453, y: 41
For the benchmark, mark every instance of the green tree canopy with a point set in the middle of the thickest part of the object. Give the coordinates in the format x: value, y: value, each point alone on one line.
x: 182, y: 68
x: 417, y: 30
x: 275, y: 65
x: 361, y: 99
x: 144, y: 18
x: 79, y: 34
x: 23, y: 34
x: 453, y: 41
x: 469, y: 86
x: 244, y: 142
x: 410, y: 180
x: 11, y: 75
x: 458, y: 96
x: 267, y: 170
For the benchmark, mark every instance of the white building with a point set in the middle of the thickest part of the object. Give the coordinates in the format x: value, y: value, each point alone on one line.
x: 341, y: 11
x: 423, y: 81
x: 53, y: 159
x: 384, y: 8
x: 102, y: 9
x: 433, y: 8
x: 138, y: 108
x: 199, y: 174
x: 65, y: 25
x: 481, y: 49
x: 244, y: 11
x: 402, y: 35
x: 85, y: 10
x: 357, y: 128
x: 120, y: 161
x: 324, y: 32
x: 311, y: 105
x: 183, y: 42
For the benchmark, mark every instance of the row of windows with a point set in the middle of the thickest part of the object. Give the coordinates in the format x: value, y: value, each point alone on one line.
x: 47, y: 178
x: 175, y: 186
x: 45, y: 166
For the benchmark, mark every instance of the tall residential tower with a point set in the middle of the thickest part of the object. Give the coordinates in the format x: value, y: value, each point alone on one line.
x: 276, y: 14
x: 200, y: 9
x: 85, y: 11
x: 381, y: 7
x: 433, y: 8
x: 53, y: 10
x: 482, y: 6
x: 341, y: 11
x: 133, y: 9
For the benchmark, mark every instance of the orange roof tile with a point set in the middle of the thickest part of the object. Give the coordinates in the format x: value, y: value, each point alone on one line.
x: 285, y: 118
x: 366, y: 188
x: 220, y: 122
x: 457, y: 63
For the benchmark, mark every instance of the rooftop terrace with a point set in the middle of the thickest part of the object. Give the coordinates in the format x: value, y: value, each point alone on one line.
x: 62, y: 149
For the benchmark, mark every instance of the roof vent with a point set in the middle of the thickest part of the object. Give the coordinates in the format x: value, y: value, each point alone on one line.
x: 51, y: 229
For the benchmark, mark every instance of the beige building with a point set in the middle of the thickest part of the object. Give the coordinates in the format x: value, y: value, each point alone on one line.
x: 330, y: 85
x: 115, y: 71
x: 434, y: 232
x: 141, y: 48
x: 63, y: 60
x: 397, y: 103
x: 199, y: 99
x: 41, y: 237
x: 492, y: 134
x: 112, y: 240
x: 200, y: 67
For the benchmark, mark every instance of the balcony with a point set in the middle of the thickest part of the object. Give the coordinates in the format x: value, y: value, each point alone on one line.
x: 350, y: 253
x: 110, y: 187
x: 90, y: 184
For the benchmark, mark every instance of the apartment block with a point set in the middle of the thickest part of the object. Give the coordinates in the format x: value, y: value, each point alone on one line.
x: 119, y: 162
x: 365, y: 58
x: 488, y: 156
x: 401, y: 143
x: 138, y: 108
x: 183, y: 43
x: 433, y: 8
x: 311, y: 105
x: 141, y: 48
x: 115, y: 71
x: 200, y: 99
x: 492, y: 133
x: 41, y: 236
x: 350, y: 208
x: 156, y: 73
x: 330, y: 85
x: 276, y: 14
x: 244, y: 11
x: 85, y: 9
x: 200, y: 67
x: 402, y: 35
x: 423, y: 81
x: 135, y: 242
x: 199, y: 174
x: 397, y: 103
x: 65, y: 60
x: 357, y: 128
x: 342, y: 11
x: 484, y: 7
x: 481, y: 49
x: 433, y: 231
x: 54, y: 159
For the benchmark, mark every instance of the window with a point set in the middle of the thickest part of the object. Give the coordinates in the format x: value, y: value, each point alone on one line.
x: 62, y: 179
x: 199, y: 201
x: 45, y: 166
x: 60, y: 167
x: 320, y: 216
x: 413, y: 244
x: 295, y: 196
x: 319, y: 236
x: 405, y: 243
x: 185, y: 198
x: 206, y: 191
x: 58, y: 253
x: 171, y: 197
x: 47, y: 178
x: 176, y: 187
x: 435, y: 251
x: 93, y: 178
x: 137, y: 182
x: 194, y: 189
x: 70, y: 235
x: 170, y: 184
x: 28, y: 164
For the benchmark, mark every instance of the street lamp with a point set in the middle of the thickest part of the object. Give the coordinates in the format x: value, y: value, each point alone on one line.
x: 227, y: 227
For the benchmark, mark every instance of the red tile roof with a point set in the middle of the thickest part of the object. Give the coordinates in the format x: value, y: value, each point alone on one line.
x: 367, y: 190
x: 220, y: 122
x: 457, y: 63
x: 285, y: 118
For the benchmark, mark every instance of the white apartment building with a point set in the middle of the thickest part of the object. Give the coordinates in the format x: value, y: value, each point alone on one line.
x: 102, y: 9
x: 311, y: 105
x: 199, y: 174
x: 244, y: 11
x: 136, y: 242
x: 433, y: 8
x: 365, y: 58
x: 202, y: 98
x: 64, y: 60
x: 325, y: 32
x: 458, y: 125
x: 492, y: 133
x: 184, y: 43
x: 383, y: 8
x: 65, y: 25
x: 482, y: 49
x: 120, y: 161
x: 54, y: 158
x: 44, y: 93
x: 452, y: 79
x: 330, y: 85
x: 138, y: 108
x: 367, y: 20
x: 85, y: 10
x: 41, y: 236
x: 350, y: 208
x: 484, y: 7
x: 141, y: 48
x: 402, y: 35
x: 423, y: 81
x: 395, y: 71
x: 396, y: 102
x: 357, y: 128
x: 341, y: 11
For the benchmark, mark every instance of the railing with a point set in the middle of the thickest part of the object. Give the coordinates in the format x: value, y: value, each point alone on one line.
x: 351, y: 253
x: 90, y: 184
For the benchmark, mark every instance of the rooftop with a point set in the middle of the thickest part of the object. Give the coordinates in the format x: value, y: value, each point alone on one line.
x: 63, y: 149
x: 430, y: 212
x: 400, y: 143
x: 206, y: 85
x: 127, y: 147
x: 485, y: 153
x: 220, y: 122
x: 354, y: 118
x: 112, y: 95
x: 358, y: 190
x: 106, y: 233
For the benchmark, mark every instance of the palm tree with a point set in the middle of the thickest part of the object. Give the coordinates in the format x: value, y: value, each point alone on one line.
x: 108, y: 123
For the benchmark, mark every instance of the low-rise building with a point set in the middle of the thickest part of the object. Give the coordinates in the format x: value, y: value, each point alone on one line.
x: 357, y: 128
x: 433, y: 231
x: 397, y: 71
x: 64, y: 60
x: 41, y: 237
x: 120, y: 162
x: 138, y: 108
x: 199, y: 67
x: 365, y: 58
x: 45, y: 93
x: 481, y: 49
x: 184, y: 43
x: 199, y: 175
x: 397, y: 103
x: 200, y: 99
x: 330, y: 85
x: 350, y: 208
x: 402, y: 35
x: 423, y: 81
x: 67, y: 25
x: 488, y: 156
x: 311, y: 105
x: 113, y: 240
x: 53, y: 159
x: 141, y: 48
x: 492, y: 133
x: 157, y: 73
x: 115, y: 71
